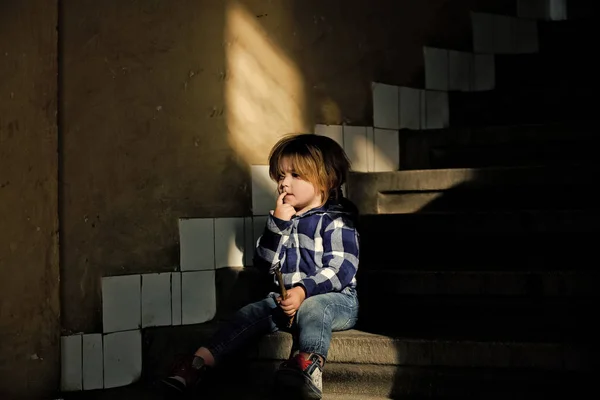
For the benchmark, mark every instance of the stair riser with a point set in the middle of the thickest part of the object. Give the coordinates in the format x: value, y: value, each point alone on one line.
x: 368, y: 190
x: 466, y: 198
x: 509, y: 146
x: 472, y: 320
x: 503, y: 285
x: 570, y: 37
x: 497, y: 108
x: 545, y: 71
x: 491, y: 230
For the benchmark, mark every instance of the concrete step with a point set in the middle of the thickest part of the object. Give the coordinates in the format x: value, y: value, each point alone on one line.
x: 474, y: 190
x: 379, y: 365
x: 545, y: 285
x: 521, y: 106
x: 545, y: 70
x: 480, y: 304
x: 395, y: 383
x: 455, y: 242
x: 385, y: 381
x: 581, y: 9
x: 161, y: 345
x: 568, y: 37
x: 141, y: 391
x: 556, y: 144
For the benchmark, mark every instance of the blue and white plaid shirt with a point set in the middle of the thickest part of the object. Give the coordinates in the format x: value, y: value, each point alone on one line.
x: 318, y: 250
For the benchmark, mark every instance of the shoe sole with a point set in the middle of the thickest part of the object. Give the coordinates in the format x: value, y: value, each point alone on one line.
x: 298, y: 385
x: 172, y: 387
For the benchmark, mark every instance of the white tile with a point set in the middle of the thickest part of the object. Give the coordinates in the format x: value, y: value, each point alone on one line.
x: 196, y: 244
x: 248, y: 241
x: 436, y: 68
x: 264, y: 190
x: 410, y: 108
x: 198, y: 297
x: 526, y: 36
x: 121, y: 303
x: 461, y: 64
x: 484, y: 72
x: 70, y: 364
x: 370, y: 152
x: 93, y: 364
x: 438, y: 116
x: 259, y: 223
x: 385, y: 106
x: 122, y: 358
x: 156, y: 299
x: 558, y: 10
x: 535, y: 9
x: 387, y: 150
x: 355, y: 140
x: 483, y: 32
x: 504, y: 34
x: 176, y: 298
x: 334, y: 132
x: 229, y: 242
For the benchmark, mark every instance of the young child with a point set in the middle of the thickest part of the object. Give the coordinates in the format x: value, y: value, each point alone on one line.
x: 311, y: 237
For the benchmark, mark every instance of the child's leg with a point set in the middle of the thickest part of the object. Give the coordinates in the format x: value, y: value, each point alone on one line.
x: 317, y: 318
x: 323, y: 314
x: 248, y: 322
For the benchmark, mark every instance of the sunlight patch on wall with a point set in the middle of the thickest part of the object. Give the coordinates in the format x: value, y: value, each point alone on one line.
x: 264, y: 90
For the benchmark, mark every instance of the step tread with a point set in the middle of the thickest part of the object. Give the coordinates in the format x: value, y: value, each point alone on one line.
x: 139, y: 391
x: 365, y: 348
x: 372, y: 382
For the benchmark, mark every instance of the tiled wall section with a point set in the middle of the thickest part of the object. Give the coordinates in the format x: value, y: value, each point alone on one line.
x: 98, y: 361
x: 369, y: 149
x: 132, y: 302
x: 397, y: 107
x: 450, y: 70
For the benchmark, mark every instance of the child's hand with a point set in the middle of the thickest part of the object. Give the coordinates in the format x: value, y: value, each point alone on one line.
x: 283, y: 211
x: 292, y: 302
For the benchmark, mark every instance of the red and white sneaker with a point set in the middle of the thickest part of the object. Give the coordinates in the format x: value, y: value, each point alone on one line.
x: 301, y: 374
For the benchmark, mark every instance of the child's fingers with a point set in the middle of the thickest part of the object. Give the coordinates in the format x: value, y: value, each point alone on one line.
x: 280, y: 198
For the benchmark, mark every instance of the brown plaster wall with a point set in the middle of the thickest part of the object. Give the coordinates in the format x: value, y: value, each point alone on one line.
x: 147, y: 132
x: 29, y: 273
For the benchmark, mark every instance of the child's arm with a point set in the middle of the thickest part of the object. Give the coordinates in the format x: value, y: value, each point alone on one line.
x: 269, y: 250
x: 340, y: 259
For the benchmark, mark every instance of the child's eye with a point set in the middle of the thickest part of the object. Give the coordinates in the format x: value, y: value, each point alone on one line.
x: 295, y: 175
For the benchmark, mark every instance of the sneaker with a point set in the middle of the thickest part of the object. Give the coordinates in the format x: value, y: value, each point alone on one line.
x: 301, y: 375
x: 186, y: 373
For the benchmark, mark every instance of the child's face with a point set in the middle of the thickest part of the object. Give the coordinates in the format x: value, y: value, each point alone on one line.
x: 302, y: 195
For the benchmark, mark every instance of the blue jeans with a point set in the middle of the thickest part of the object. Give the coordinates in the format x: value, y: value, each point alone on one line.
x: 315, y: 320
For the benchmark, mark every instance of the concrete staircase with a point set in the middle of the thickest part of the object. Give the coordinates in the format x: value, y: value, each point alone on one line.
x: 476, y: 276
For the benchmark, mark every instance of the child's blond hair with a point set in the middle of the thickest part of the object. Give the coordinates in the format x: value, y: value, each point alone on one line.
x: 315, y: 158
